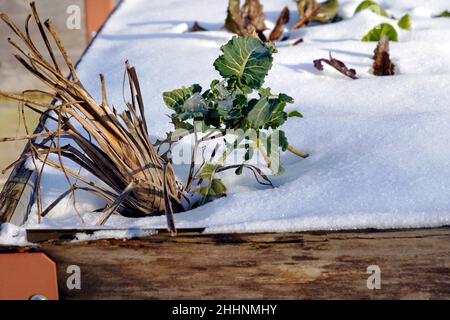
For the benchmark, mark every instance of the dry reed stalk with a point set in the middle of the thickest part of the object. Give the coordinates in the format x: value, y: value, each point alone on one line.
x: 122, y: 156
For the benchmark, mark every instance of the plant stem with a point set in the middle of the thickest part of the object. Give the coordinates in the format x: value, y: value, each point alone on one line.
x: 192, y: 166
x: 264, y: 153
x: 229, y: 150
x: 298, y: 152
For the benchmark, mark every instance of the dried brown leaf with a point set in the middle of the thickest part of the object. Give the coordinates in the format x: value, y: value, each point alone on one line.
x: 248, y: 20
x: 197, y: 27
x: 382, y: 64
x: 234, y: 21
x: 298, y: 41
x: 253, y: 14
x: 283, y: 19
x: 336, y: 64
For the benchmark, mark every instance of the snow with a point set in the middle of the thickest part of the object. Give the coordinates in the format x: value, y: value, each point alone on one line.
x: 114, y: 234
x: 13, y: 235
x: 378, y: 145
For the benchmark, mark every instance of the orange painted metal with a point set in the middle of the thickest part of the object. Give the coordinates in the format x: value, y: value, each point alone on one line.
x: 25, y: 275
x: 97, y: 11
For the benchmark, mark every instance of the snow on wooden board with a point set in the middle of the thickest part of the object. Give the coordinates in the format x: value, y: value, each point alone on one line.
x: 378, y: 145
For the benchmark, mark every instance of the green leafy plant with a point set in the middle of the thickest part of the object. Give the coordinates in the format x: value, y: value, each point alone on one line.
x: 372, y: 6
x: 445, y: 13
x: 383, y: 29
x: 405, y: 22
x: 238, y: 102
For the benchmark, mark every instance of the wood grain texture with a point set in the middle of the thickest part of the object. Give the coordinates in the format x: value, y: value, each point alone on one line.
x: 414, y: 264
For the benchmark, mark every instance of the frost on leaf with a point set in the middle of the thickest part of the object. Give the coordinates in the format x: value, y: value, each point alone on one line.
x: 338, y: 65
x: 382, y: 65
x: 246, y: 61
x: 237, y: 102
x: 175, y: 99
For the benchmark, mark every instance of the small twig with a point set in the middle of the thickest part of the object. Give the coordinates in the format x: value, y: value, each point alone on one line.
x: 196, y: 27
x: 192, y: 165
x: 69, y: 191
x: 305, y: 19
x: 298, y: 41
x: 298, y: 152
x: 336, y: 64
x: 264, y: 153
x: 167, y: 204
x: 28, y: 137
x: 108, y: 212
x: 255, y: 170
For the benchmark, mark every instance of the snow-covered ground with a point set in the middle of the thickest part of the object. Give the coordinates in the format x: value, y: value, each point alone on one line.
x: 379, y: 145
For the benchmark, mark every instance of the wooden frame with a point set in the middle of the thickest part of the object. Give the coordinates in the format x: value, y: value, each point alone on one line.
x: 414, y: 264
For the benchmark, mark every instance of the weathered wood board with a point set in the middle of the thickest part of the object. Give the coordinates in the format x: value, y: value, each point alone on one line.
x: 415, y: 264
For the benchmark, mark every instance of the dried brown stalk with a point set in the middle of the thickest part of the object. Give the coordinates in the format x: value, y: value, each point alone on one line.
x: 113, y: 147
x: 283, y: 19
x: 196, y: 27
x: 305, y: 19
x: 248, y: 20
x: 253, y: 14
x: 382, y: 64
x: 336, y: 64
x: 298, y: 41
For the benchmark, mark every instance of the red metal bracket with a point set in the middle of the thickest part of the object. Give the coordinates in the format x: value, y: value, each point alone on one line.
x: 97, y: 12
x: 25, y: 276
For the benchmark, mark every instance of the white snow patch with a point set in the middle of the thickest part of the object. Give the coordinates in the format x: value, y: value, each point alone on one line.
x: 13, y: 235
x: 378, y: 145
x: 114, y: 234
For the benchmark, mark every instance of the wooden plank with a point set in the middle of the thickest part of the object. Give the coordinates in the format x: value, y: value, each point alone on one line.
x: 414, y: 264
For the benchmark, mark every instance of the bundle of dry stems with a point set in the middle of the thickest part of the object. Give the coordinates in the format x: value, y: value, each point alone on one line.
x: 114, y: 147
